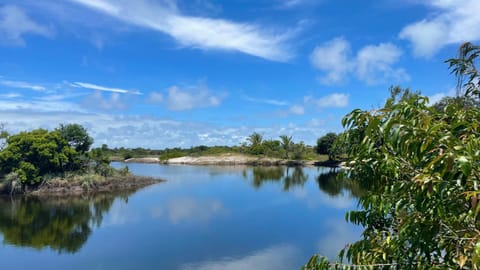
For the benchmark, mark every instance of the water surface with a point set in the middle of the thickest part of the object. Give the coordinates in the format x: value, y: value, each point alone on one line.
x: 202, y: 218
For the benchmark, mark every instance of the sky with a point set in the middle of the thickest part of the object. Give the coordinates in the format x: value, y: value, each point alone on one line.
x: 182, y: 73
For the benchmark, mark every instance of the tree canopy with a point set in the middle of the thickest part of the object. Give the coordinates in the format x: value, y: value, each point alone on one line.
x: 421, y: 166
x: 76, y: 136
x: 325, y: 145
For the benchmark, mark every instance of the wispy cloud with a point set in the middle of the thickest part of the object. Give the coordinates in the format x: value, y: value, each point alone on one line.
x: 22, y: 84
x: 373, y: 64
x: 198, y: 32
x: 15, y: 23
x: 451, y: 22
x: 104, y: 88
x: 274, y: 102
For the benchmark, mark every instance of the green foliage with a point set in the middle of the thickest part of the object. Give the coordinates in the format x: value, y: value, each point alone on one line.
x: 100, y: 162
x: 325, y: 145
x: 421, y: 166
x: 76, y: 136
x: 36, y: 153
x: 3, y: 136
x: 256, y: 147
x: 286, y: 144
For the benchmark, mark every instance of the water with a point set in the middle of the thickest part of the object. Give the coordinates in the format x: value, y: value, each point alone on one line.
x: 203, y: 218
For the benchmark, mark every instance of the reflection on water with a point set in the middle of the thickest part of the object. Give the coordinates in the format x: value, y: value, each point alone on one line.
x: 203, y: 218
x: 334, y: 183
x: 62, y: 224
x: 289, y: 176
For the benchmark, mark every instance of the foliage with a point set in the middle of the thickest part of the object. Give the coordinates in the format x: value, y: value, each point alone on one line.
x: 422, y: 168
x: 3, y: 136
x: 36, y: 153
x: 325, y: 145
x: 286, y: 143
x: 100, y: 162
x: 256, y: 147
x: 76, y: 136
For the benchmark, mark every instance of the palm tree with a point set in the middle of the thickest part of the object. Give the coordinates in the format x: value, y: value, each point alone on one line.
x: 255, y: 139
x: 286, y: 143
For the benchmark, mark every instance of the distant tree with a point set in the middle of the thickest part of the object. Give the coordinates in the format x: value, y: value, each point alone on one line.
x: 299, y: 150
x: 286, y: 143
x: 256, y: 147
x: 466, y: 102
x: 3, y: 136
x: 76, y: 136
x: 325, y: 145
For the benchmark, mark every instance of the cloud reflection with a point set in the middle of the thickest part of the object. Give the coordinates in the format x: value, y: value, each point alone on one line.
x: 180, y: 210
x: 276, y: 257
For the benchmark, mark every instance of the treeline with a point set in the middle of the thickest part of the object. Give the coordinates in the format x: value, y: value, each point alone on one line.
x: 283, y: 148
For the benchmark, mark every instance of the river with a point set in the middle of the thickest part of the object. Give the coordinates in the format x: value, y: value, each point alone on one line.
x: 203, y: 217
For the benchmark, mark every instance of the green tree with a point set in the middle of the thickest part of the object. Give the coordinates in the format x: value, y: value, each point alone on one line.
x: 77, y: 136
x: 422, y: 169
x: 286, y: 144
x: 36, y: 153
x: 325, y: 145
x: 3, y: 136
x: 256, y: 147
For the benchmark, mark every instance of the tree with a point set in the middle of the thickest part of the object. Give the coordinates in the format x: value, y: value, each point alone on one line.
x: 36, y: 153
x: 3, y: 136
x: 325, y: 145
x: 286, y: 144
x: 421, y: 167
x: 77, y: 136
x: 256, y: 147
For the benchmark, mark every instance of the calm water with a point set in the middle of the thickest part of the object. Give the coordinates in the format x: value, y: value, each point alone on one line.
x: 204, y: 218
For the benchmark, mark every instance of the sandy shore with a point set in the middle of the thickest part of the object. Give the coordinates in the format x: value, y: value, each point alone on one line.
x: 234, y: 159
x: 62, y: 187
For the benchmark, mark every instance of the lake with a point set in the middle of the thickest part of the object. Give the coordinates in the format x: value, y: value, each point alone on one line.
x: 203, y: 217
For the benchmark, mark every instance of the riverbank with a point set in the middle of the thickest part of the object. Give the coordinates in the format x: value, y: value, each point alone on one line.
x: 80, y: 185
x: 233, y: 159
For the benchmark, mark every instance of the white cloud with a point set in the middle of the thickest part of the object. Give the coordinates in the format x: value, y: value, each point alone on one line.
x: 438, y: 96
x: 197, y: 32
x: 155, y: 97
x: 451, y: 22
x: 14, y: 24
x: 333, y: 57
x: 189, y: 209
x: 104, y: 88
x: 113, y: 101
x: 335, y: 100
x: 276, y: 257
x: 24, y: 85
x: 373, y: 64
x: 297, y: 109
x: 191, y: 98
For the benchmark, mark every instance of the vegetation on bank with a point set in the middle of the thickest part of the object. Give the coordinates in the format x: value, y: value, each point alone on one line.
x: 421, y: 166
x: 36, y: 159
x: 256, y: 146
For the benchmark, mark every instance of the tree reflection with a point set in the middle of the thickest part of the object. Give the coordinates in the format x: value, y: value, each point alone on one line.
x: 334, y: 183
x: 62, y: 224
x: 290, y: 177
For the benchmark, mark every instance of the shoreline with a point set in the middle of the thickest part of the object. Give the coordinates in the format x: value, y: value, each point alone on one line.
x: 64, y: 187
x: 232, y: 159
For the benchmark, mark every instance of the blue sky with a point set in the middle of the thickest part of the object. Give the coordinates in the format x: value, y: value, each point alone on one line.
x: 181, y: 73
